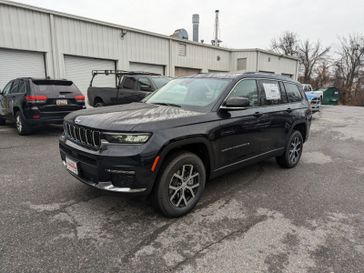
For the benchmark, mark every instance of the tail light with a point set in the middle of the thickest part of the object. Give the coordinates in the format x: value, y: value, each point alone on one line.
x: 36, y: 99
x: 80, y: 98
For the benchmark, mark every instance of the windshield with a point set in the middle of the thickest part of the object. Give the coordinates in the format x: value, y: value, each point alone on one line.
x: 160, y: 81
x: 200, y: 93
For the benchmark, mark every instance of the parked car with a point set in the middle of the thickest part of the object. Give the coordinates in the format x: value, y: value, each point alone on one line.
x: 308, y: 88
x: 36, y: 102
x: 190, y: 130
x: 315, y: 100
x: 129, y: 87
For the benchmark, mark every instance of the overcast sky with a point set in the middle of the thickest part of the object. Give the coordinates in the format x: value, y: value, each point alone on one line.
x: 243, y: 24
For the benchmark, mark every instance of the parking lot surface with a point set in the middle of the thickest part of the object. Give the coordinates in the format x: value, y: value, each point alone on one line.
x: 259, y: 219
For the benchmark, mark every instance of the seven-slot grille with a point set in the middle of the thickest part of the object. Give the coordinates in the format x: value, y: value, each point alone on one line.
x: 82, y: 135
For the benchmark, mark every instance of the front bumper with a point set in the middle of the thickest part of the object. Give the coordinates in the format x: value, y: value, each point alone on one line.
x: 122, y: 169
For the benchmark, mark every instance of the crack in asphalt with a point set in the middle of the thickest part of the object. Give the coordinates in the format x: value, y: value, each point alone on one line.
x: 147, y: 241
x: 200, y: 253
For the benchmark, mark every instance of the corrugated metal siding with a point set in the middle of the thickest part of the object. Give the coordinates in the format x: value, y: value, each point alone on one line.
x: 24, y: 29
x: 276, y: 64
x: 200, y: 57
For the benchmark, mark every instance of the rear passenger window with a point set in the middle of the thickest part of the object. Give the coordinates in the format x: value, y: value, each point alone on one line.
x: 270, y: 92
x: 247, y: 89
x: 293, y: 92
x: 129, y: 83
x: 21, y: 87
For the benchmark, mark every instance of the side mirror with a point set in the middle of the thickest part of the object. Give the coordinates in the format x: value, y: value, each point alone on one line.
x: 235, y: 103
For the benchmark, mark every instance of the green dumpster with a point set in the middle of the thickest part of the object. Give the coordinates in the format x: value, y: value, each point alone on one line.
x: 331, y: 96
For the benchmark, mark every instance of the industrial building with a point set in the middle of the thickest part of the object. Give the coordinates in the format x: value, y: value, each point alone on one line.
x: 38, y: 42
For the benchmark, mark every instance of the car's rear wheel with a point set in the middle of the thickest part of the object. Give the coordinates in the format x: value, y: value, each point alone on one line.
x: 180, y: 184
x: 293, y: 152
x: 21, y: 126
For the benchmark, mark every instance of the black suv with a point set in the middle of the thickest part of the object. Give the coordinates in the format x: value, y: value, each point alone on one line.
x: 36, y: 102
x: 190, y: 130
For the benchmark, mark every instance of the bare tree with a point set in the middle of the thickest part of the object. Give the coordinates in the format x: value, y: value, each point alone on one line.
x: 322, y: 74
x: 286, y: 44
x: 348, y: 67
x: 309, y: 55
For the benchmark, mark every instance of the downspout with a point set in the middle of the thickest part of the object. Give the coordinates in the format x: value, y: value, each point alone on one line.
x: 257, y: 62
x: 53, y: 47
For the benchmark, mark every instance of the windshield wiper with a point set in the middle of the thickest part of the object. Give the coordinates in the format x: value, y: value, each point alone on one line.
x: 167, y: 104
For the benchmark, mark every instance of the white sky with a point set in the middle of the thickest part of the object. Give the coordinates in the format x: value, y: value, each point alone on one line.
x: 243, y: 23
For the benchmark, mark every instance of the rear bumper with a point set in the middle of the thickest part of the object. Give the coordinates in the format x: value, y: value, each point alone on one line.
x: 36, y: 117
x: 116, y: 173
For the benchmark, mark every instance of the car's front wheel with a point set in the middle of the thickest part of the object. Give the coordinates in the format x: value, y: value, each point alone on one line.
x: 21, y: 126
x: 293, y: 152
x: 180, y: 184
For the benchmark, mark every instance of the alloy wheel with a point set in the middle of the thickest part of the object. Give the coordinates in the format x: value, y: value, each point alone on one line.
x: 183, y: 186
x: 19, y: 125
x: 295, y: 149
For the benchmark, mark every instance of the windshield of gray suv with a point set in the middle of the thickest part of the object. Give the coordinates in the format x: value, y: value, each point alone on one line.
x: 189, y: 92
x: 160, y: 81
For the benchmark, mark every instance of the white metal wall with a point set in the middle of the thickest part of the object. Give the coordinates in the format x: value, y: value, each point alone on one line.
x: 57, y: 34
x: 79, y: 70
x: 152, y: 68
x: 16, y: 63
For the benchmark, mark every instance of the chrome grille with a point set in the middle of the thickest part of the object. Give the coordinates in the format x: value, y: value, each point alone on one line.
x: 82, y: 135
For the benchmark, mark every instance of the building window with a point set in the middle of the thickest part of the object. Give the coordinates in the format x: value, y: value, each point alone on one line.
x: 182, y: 50
x: 241, y: 64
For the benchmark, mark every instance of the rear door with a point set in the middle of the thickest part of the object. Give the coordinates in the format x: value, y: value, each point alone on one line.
x: 274, y: 114
x: 10, y: 98
x: 62, y: 95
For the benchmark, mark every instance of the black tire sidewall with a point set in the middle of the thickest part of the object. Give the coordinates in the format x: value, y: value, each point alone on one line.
x: 161, y: 193
x: 25, y: 128
x: 288, y: 162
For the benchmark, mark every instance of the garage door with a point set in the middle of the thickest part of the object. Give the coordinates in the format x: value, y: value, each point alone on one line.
x: 79, y: 70
x: 152, y: 68
x: 14, y: 64
x: 185, y: 71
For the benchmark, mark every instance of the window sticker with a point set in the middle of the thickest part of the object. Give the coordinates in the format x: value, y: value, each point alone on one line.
x: 271, y: 91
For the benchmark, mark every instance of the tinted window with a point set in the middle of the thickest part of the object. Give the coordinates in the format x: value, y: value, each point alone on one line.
x: 21, y: 87
x: 14, y: 87
x: 7, y: 88
x: 270, y: 92
x: 283, y: 93
x: 51, y: 87
x: 129, y: 83
x: 293, y: 92
x: 144, y: 84
x: 247, y: 89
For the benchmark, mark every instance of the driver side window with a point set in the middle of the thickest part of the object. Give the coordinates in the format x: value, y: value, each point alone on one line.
x: 246, y: 89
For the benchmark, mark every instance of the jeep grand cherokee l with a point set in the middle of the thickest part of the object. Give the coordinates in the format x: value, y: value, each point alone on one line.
x: 36, y: 102
x: 191, y: 130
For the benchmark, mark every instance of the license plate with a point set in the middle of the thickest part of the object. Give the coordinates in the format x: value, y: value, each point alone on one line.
x: 61, y: 102
x: 71, y: 165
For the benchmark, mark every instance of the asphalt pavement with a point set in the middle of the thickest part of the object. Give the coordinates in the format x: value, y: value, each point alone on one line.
x: 259, y: 219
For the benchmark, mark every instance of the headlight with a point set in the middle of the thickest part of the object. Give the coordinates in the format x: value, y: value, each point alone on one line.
x: 137, y: 138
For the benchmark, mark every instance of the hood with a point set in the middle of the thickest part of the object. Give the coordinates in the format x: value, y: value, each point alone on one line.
x: 133, y: 117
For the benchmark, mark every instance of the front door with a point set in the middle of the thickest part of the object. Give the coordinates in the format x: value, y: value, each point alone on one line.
x: 238, y: 137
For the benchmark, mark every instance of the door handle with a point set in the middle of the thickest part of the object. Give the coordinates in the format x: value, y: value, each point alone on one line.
x: 258, y: 114
x: 289, y: 110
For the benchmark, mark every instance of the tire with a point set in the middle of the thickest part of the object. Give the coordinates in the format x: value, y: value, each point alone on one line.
x: 21, y: 126
x: 99, y: 104
x: 293, y: 151
x: 175, y: 194
x: 2, y: 121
